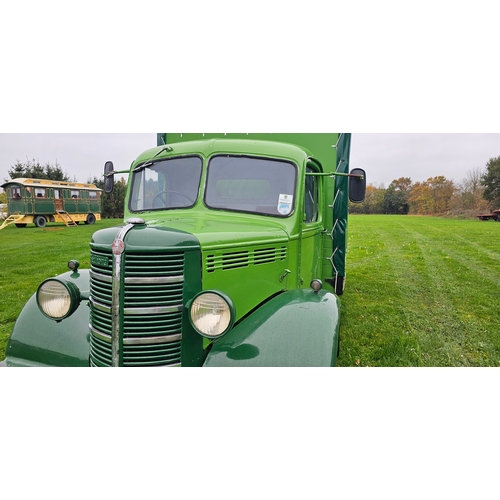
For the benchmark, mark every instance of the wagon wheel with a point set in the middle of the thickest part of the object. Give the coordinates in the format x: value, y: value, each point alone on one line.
x: 90, y: 219
x: 40, y: 221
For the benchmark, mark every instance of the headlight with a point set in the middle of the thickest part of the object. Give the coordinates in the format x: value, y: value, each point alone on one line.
x: 57, y: 298
x: 212, y: 314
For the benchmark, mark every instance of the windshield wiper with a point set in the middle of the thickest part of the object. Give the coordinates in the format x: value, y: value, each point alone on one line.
x: 150, y: 162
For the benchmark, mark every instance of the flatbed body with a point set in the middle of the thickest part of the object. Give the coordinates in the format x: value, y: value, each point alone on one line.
x: 494, y: 215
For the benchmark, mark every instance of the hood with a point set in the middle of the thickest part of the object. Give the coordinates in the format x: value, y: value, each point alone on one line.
x: 144, y: 237
x: 212, y: 231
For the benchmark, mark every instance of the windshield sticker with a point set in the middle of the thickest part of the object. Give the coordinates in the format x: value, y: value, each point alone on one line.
x: 285, y: 204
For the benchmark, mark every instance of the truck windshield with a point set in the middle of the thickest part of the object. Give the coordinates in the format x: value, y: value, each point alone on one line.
x: 256, y: 185
x: 172, y: 183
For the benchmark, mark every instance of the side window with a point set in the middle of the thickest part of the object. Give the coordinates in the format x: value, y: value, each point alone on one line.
x: 40, y: 192
x: 16, y: 192
x: 311, y: 197
x: 75, y: 195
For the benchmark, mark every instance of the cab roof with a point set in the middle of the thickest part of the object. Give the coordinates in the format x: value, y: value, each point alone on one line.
x: 208, y: 147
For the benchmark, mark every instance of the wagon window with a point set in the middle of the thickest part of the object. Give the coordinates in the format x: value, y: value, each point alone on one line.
x: 40, y: 192
x: 75, y: 194
x: 93, y: 195
x: 16, y: 192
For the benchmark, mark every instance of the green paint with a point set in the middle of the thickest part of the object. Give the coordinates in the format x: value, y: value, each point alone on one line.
x: 234, y: 213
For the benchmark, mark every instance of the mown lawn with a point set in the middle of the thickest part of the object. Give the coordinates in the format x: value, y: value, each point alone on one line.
x: 31, y: 254
x: 421, y: 291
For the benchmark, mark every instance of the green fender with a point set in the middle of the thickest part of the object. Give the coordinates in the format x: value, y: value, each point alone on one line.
x: 39, y: 341
x: 295, y: 328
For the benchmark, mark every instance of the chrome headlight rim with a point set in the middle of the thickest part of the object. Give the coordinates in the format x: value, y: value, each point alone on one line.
x: 69, y: 293
x: 230, y: 309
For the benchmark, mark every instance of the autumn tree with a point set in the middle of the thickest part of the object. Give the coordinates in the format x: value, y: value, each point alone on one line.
x: 373, y: 203
x: 468, y: 198
x: 431, y: 197
x: 442, y: 191
x: 491, y: 182
x: 420, y: 199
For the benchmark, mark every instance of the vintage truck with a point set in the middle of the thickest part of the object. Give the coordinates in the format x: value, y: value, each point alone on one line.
x: 232, y: 253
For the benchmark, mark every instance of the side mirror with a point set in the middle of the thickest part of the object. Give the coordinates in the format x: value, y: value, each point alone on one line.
x: 357, y: 185
x: 109, y: 178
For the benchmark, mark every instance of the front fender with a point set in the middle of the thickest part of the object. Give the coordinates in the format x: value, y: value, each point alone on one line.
x: 39, y: 341
x: 295, y: 328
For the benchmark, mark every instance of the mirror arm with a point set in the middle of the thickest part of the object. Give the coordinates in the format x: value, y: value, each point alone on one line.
x: 110, y: 174
x: 331, y: 174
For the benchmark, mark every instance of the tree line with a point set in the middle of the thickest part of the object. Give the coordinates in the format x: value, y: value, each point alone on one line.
x: 478, y: 192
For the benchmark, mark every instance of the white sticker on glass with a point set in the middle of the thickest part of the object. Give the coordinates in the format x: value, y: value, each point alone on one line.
x: 285, y: 204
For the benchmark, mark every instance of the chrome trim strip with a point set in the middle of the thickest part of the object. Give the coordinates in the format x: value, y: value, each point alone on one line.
x: 128, y: 311
x: 154, y: 280
x: 101, y: 277
x: 151, y: 310
x: 116, y: 292
x: 153, y: 340
x: 99, y: 306
x: 166, y: 339
x: 100, y: 335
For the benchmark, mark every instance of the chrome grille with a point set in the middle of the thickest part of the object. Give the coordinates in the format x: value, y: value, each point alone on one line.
x: 151, y: 304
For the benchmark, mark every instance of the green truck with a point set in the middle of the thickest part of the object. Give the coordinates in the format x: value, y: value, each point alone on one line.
x: 232, y: 253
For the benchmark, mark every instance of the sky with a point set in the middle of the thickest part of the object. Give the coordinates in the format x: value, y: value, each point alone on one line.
x: 414, y: 82
x: 383, y: 156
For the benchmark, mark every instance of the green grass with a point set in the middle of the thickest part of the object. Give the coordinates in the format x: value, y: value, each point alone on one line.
x: 421, y: 291
x: 31, y: 254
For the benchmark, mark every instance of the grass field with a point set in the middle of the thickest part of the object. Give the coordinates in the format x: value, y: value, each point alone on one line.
x: 29, y: 255
x: 421, y: 291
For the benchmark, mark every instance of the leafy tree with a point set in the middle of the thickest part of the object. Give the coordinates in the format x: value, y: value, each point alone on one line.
x: 112, y: 204
x: 491, y: 182
x: 34, y: 170
x: 396, y: 196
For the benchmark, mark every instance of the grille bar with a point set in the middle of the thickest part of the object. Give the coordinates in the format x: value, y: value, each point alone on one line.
x: 151, y: 305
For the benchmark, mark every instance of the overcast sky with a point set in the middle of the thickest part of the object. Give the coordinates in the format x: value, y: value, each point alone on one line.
x: 359, y: 66
x: 385, y: 157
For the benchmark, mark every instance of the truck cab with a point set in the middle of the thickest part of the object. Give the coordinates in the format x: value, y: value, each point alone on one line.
x: 232, y: 253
